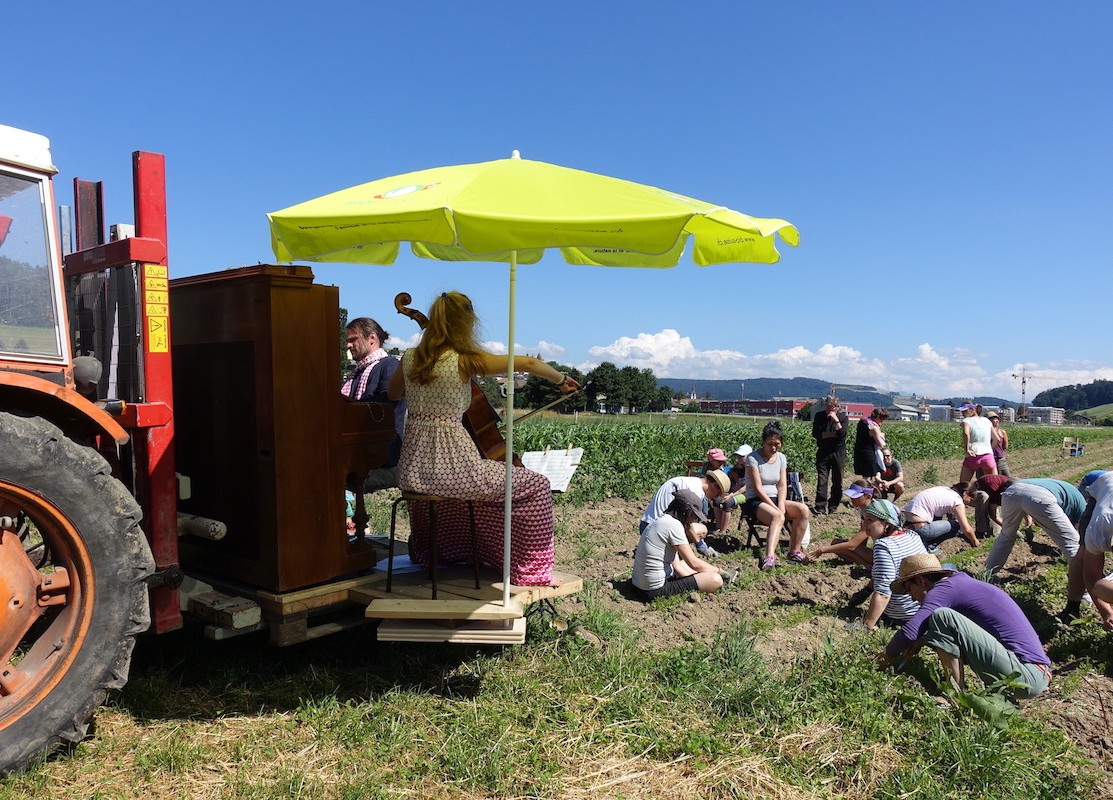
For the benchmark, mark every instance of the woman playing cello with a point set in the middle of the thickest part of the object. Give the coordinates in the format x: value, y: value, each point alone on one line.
x: 439, y: 456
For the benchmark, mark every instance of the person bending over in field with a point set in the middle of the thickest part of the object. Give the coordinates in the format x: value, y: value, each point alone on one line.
x: 1097, y: 541
x: 710, y: 486
x: 666, y: 563
x: 967, y: 623
x: 984, y: 496
x: 1055, y: 506
x: 1087, y: 566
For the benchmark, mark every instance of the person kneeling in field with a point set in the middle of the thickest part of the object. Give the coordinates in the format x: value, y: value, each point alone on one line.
x: 854, y: 549
x: 710, y: 486
x: 665, y: 562
x: 892, y: 544
x: 937, y: 514
x: 967, y: 622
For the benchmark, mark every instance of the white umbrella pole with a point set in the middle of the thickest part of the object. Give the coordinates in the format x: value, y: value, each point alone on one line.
x: 509, y: 497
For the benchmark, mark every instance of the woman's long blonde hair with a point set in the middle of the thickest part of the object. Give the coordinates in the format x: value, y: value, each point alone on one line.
x: 452, y: 325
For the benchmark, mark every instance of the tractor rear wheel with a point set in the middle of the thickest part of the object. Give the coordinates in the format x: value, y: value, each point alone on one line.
x: 73, y: 595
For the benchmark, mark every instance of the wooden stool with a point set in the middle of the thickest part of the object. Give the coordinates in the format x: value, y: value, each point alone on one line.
x: 432, y: 500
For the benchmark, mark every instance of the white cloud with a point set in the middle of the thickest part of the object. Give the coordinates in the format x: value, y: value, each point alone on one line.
x: 548, y: 350
x: 928, y: 371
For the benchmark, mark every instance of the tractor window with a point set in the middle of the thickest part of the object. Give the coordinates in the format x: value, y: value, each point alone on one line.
x: 28, y: 322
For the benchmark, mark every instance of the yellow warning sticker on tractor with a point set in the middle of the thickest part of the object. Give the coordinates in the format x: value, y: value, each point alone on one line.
x: 158, y: 335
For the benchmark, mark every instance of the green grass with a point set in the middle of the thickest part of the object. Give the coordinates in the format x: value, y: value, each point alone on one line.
x: 555, y: 718
x: 1099, y: 412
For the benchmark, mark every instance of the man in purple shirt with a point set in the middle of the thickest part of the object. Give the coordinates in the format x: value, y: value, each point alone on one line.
x: 967, y: 622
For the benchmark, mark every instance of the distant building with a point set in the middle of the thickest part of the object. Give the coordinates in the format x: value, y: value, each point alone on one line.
x: 899, y: 412
x: 858, y: 410
x: 778, y: 407
x: 1006, y: 414
x: 754, y: 408
x: 1046, y: 415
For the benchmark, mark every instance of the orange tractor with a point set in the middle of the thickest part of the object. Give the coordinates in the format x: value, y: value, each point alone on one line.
x: 230, y: 444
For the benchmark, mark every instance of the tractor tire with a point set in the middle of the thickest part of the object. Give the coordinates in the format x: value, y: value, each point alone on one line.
x: 73, y: 515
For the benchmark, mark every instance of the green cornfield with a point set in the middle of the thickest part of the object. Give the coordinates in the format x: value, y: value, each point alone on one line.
x: 629, y: 457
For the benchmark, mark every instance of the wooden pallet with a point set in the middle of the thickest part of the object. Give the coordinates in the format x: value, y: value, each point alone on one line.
x: 456, y: 583
x: 305, y: 614
x: 471, y: 632
x: 461, y: 613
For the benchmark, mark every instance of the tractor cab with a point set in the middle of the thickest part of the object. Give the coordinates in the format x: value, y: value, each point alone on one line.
x: 32, y: 320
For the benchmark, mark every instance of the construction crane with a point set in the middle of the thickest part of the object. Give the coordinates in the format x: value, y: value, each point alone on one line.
x: 1025, y: 376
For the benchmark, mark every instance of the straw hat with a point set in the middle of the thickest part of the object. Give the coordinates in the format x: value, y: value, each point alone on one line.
x: 720, y: 479
x: 917, y: 564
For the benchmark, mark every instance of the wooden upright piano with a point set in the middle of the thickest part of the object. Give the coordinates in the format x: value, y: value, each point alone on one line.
x: 264, y: 435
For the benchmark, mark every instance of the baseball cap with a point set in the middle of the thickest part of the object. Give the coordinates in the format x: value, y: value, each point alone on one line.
x: 1088, y: 479
x: 689, y: 501
x: 716, y: 454
x: 854, y: 491
x: 743, y: 450
x: 967, y: 407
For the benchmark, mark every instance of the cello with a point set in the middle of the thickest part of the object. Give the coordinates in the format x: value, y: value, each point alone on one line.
x: 481, y: 420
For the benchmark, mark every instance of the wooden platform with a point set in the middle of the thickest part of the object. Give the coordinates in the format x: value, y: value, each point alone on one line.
x: 461, y: 613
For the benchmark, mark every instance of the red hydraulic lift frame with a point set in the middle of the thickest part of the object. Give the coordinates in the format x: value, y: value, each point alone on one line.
x: 150, y: 421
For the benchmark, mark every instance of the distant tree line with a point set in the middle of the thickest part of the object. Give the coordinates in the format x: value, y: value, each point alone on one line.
x: 608, y: 387
x: 1076, y: 397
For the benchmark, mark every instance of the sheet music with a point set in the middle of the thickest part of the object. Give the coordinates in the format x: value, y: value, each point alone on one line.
x: 556, y: 465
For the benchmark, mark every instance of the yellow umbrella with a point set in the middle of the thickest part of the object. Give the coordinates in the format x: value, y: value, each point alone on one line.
x: 512, y: 210
x: 486, y: 211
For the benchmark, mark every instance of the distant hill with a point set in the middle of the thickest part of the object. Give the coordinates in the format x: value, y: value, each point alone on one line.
x: 1099, y: 414
x: 769, y: 388
x: 1077, y: 396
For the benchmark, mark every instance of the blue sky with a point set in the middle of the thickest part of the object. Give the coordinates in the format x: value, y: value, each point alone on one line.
x: 948, y: 164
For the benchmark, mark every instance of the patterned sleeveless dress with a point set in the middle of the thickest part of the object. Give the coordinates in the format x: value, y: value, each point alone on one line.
x: 439, y: 457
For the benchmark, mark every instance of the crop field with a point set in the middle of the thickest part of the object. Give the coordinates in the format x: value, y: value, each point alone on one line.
x: 765, y: 690
x: 630, y: 457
